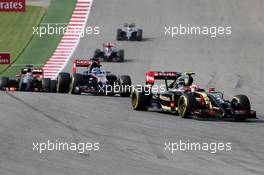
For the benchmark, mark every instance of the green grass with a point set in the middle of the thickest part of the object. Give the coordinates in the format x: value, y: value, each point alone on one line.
x: 16, y: 30
x: 40, y: 49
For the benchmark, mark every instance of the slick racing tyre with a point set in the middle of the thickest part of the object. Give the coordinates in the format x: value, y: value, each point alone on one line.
x: 76, y: 81
x: 186, y: 104
x: 140, y: 100
x: 46, y: 84
x: 63, y: 82
x: 139, y: 34
x: 53, y: 86
x: 4, y: 81
x: 120, y: 55
x: 240, y: 102
x: 125, y: 85
x: 119, y: 36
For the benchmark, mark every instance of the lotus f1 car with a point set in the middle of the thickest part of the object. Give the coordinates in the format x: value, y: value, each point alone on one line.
x: 109, y: 53
x: 129, y: 33
x: 184, y: 99
x: 30, y: 79
x: 93, y: 80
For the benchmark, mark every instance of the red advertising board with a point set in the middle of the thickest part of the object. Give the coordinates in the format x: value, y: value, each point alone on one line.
x: 5, y: 58
x: 12, y: 5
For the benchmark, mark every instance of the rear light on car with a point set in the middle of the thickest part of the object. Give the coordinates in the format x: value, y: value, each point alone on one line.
x: 172, y: 104
x: 150, y: 78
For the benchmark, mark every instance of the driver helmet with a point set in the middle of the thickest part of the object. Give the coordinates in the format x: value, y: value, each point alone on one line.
x: 129, y: 28
x: 29, y: 70
x: 96, y: 70
x: 183, y: 81
x: 108, y: 49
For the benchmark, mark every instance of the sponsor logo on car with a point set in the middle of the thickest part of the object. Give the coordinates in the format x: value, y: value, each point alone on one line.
x: 12, y: 5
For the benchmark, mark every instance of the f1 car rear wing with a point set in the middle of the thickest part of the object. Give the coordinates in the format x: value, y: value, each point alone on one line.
x: 109, y: 45
x: 82, y: 63
x: 130, y: 25
x: 35, y: 71
x: 151, y: 76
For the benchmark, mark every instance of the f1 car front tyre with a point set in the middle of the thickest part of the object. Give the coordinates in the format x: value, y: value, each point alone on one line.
x: 140, y: 100
x: 240, y: 102
x: 125, y: 84
x: 186, y: 103
x: 53, y: 86
x: 63, y: 82
x: 46, y: 84
x: 139, y: 35
x: 119, y: 36
x: 76, y: 81
x: 4, y: 81
x: 120, y: 55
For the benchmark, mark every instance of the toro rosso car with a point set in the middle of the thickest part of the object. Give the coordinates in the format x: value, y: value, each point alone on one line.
x: 93, y: 80
x: 109, y: 53
x: 129, y: 33
x: 30, y: 79
x: 184, y: 99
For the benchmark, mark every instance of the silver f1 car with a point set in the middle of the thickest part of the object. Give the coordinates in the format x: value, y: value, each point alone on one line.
x: 129, y: 33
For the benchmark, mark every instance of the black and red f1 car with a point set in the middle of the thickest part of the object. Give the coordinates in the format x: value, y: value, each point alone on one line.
x: 93, y: 80
x: 109, y: 53
x: 30, y: 79
x: 183, y: 98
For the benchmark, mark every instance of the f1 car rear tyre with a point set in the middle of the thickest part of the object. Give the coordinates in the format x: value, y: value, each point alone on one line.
x: 119, y: 35
x: 125, y: 85
x: 139, y: 35
x: 140, y: 100
x: 120, y: 55
x: 53, y: 86
x: 240, y: 102
x: 186, y: 103
x: 63, y: 82
x: 4, y: 81
x: 76, y: 81
x: 46, y: 84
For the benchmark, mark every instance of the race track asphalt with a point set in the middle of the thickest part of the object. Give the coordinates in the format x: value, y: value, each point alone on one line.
x: 132, y: 142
